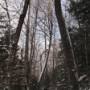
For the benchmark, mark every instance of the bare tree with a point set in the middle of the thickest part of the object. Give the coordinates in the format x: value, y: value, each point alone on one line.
x: 19, y: 27
x: 17, y: 35
x: 27, y: 48
x: 67, y: 47
x: 50, y: 27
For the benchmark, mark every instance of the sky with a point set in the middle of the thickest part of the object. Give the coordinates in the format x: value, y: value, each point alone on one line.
x: 14, y: 16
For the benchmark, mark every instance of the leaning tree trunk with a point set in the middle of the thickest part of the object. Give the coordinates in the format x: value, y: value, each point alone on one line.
x: 19, y: 26
x: 73, y: 81
x: 17, y: 36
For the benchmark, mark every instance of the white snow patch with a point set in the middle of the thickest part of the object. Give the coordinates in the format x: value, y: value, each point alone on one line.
x: 81, y: 78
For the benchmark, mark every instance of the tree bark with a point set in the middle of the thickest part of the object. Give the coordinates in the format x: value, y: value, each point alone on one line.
x: 27, y: 49
x: 19, y: 26
x: 17, y: 36
x: 67, y: 47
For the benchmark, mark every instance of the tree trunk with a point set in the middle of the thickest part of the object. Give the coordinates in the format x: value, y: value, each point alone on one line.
x: 67, y: 47
x: 17, y: 35
x: 27, y: 50
x: 19, y: 26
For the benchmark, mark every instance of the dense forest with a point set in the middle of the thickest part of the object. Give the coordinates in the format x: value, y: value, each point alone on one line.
x: 44, y: 45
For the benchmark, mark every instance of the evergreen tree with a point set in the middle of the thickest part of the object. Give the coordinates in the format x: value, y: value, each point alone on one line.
x: 80, y: 36
x: 4, y: 45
